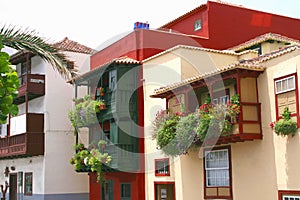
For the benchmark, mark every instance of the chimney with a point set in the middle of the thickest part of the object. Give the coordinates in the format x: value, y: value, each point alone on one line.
x: 141, y: 25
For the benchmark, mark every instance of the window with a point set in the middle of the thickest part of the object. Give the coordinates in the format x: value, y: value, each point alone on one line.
x: 112, y: 79
x: 221, y: 97
x: 217, y: 173
x: 23, y: 71
x: 125, y: 191
x: 162, y: 167
x: 28, y: 184
x: 285, y: 84
x: 217, y: 168
x: 286, y: 95
x: 197, y: 25
x: 288, y: 195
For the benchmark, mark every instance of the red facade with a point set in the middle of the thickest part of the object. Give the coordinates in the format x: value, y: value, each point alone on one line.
x: 223, y: 26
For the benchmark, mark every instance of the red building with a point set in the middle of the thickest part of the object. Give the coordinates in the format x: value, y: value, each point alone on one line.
x: 212, y: 25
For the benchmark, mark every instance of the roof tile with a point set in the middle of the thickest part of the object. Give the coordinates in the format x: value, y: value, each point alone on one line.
x: 69, y: 45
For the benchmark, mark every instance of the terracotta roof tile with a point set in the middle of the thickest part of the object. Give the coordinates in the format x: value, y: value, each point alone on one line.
x: 227, y: 52
x: 251, y: 64
x: 69, y: 45
x: 271, y: 55
x: 236, y: 65
x: 263, y: 38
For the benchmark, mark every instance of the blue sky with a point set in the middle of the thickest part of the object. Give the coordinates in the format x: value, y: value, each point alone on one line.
x: 93, y: 22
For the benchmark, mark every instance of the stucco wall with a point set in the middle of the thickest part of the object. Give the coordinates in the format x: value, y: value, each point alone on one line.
x: 60, y: 176
x: 259, y: 168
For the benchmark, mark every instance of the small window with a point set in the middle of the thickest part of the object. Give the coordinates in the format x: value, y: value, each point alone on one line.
x: 290, y: 197
x: 198, y: 25
x: 28, y: 184
x: 125, y: 191
x: 112, y: 79
x: 162, y: 167
x: 285, y: 84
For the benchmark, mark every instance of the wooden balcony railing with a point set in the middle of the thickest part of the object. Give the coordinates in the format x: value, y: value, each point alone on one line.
x: 248, y: 126
x: 20, y: 143
x: 123, y: 157
x: 34, y: 84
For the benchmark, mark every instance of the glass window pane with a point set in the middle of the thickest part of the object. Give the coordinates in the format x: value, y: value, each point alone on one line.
x: 291, y: 82
x: 125, y: 190
x: 284, y: 85
x: 278, y: 86
x: 217, y: 168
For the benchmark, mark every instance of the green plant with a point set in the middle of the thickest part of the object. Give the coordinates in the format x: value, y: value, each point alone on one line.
x: 84, y: 113
x: 166, y: 131
x: 175, y: 134
x: 286, y: 125
x: 89, y: 160
x: 214, y: 122
x: 9, y: 84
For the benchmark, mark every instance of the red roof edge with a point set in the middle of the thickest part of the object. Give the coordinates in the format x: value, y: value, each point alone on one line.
x: 186, y: 15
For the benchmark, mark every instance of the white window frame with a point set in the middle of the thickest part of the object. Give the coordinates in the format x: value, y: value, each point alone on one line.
x: 283, y: 80
x: 207, y: 169
x: 221, y: 100
x: 198, y: 25
x: 290, y: 197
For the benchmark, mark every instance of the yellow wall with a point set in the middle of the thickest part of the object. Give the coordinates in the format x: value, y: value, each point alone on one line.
x: 259, y: 168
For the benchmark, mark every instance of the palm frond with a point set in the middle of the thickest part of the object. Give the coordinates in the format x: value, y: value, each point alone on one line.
x: 29, y: 40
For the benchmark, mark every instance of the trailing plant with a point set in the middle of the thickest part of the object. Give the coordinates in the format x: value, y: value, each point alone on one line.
x: 84, y: 113
x: 214, y: 122
x: 166, y: 132
x: 85, y: 160
x: 175, y: 134
x: 286, y: 125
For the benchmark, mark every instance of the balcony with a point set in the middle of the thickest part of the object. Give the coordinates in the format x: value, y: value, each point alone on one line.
x: 123, y: 159
x: 26, y: 137
x: 247, y: 128
x: 34, y: 84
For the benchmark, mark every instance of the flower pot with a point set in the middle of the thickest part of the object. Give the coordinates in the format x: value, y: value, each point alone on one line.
x: 102, y: 107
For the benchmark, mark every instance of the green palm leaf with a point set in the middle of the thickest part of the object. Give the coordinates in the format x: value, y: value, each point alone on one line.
x: 29, y: 40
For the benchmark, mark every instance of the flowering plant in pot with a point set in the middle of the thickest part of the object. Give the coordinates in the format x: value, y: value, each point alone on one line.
x: 286, y: 125
x: 85, y: 111
x: 89, y: 160
x: 101, y: 91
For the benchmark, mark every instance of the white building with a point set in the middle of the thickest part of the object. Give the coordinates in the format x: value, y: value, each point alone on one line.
x: 36, y: 145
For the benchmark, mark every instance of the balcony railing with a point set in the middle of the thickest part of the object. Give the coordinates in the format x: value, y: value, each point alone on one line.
x: 34, y: 84
x: 123, y: 157
x: 26, y: 137
x: 248, y: 126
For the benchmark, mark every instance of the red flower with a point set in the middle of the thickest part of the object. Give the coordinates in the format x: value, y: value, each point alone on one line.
x: 272, y: 124
x: 205, y: 107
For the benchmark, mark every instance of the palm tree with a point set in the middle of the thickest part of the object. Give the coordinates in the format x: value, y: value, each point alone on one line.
x: 29, y: 40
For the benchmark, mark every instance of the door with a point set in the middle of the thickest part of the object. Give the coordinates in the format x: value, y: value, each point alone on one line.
x: 164, y: 191
x: 13, y: 186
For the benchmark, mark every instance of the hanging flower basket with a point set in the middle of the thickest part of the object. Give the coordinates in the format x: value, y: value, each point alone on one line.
x: 85, y: 112
x: 286, y: 125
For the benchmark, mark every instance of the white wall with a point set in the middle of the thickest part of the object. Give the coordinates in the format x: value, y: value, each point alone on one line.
x: 32, y: 164
x: 60, y: 175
